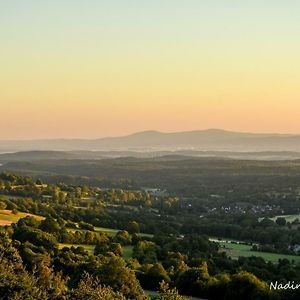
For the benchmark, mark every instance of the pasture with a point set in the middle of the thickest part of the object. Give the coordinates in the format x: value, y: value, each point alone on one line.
x: 288, y: 218
x: 88, y: 248
x: 7, y: 217
x: 112, y: 232
x: 127, y: 250
x: 235, y: 250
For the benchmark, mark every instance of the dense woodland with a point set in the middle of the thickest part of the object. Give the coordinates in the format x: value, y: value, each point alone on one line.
x: 170, y: 244
x: 183, y: 175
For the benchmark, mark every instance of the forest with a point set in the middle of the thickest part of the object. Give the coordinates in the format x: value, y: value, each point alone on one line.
x: 54, y: 243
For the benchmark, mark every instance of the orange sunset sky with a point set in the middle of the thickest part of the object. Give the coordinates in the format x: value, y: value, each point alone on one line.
x: 88, y: 69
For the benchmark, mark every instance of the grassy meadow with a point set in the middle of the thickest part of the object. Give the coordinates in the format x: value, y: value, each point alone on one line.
x: 7, y: 217
x: 112, y: 232
x: 236, y: 250
x: 288, y: 218
x: 88, y: 248
x: 127, y: 250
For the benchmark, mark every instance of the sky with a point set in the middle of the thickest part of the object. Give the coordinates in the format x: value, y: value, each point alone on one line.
x: 95, y: 68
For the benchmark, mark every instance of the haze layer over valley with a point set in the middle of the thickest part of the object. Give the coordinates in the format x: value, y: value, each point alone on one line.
x: 153, y: 141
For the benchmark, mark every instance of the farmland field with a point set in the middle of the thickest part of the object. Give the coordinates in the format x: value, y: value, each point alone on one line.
x: 7, y: 217
x: 88, y: 248
x: 236, y: 250
x: 108, y: 231
x: 112, y: 232
x: 288, y: 218
x: 127, y: 250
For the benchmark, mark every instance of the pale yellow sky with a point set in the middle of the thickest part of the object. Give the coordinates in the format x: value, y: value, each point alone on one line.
x: 111, y: 69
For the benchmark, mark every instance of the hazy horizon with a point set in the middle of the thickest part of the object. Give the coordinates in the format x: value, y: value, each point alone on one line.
x: 111, y: 68
x: 157, y: 131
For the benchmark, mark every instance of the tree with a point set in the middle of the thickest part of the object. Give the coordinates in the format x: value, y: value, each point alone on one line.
x: 90, y: 288
x: 196, y: 281
x: 35, y: 236
x: 247, y: 286
x: 113, y: 272
x: 168, y: 294
x: 2, y: 205
x: 62, y: 196
x: 51, y: 282
x: 133, y: 227
x: 28, y: 221
x: 145, y: 252
x: 123, y: 237
x: 101, y: 248
x: 18, y: 283
x: 281, y: 221
x: 50, y: 225
x: 116, y: 248
x: 14, y: 211
x: 155, y: 275
x: 38, y: 182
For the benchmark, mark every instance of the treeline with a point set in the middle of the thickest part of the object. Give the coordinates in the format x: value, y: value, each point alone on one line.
x: 32, y: 265
x: 116, y: 208
x: 179, y: 254
x: 184, y: 176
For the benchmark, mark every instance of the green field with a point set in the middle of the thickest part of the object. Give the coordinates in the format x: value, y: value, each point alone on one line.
x: 108, y: 231
x: 127, y: 250
x: 88, y: 248
x: 225, y: 240
x: 288, y: 218
x: 237, y: 250
x: 234, y: 250
x: 7, y: 217
x: 6, y: 197
x: 112, y: 232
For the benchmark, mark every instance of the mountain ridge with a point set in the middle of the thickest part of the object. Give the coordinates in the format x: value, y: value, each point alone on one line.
x: 208, y: 139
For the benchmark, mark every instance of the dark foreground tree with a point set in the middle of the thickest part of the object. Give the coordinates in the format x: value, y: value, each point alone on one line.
x: 114, y: 272
x: 90, y: 288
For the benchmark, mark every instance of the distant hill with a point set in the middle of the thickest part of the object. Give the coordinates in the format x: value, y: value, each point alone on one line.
x: 40, y: 155
x: 182, y: 175
x: 200, y: 140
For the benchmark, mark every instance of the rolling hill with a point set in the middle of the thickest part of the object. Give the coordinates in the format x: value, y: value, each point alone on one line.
x: 203, y: 140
